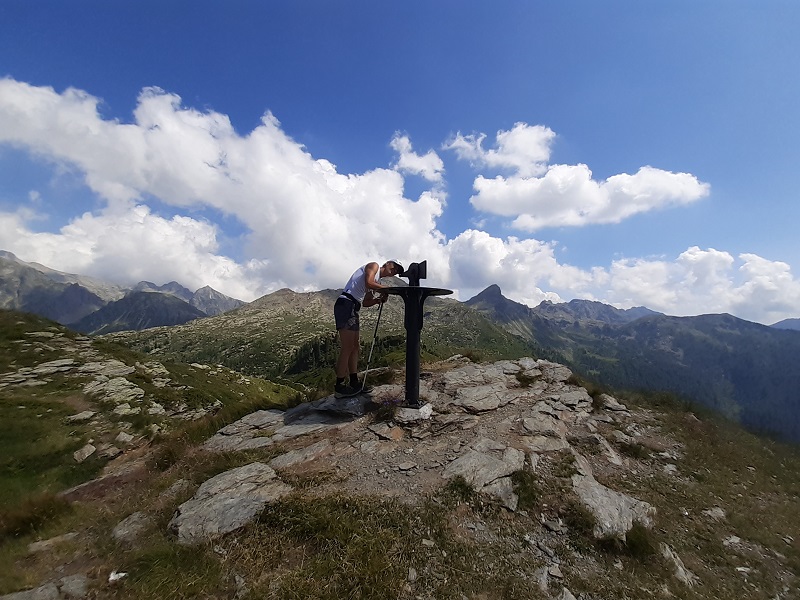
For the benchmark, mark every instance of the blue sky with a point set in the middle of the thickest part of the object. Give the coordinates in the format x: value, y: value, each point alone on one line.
x: 636, y: 153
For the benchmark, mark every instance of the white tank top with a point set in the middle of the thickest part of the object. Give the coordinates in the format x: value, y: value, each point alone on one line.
x: 357, y: 285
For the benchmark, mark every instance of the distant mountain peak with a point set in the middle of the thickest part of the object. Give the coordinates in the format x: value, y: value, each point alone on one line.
x: 787, y: 324
x: 491, y: 292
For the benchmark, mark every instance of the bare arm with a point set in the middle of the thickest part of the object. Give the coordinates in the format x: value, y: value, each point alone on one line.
x: 373, y: 287
x: 370, y: 271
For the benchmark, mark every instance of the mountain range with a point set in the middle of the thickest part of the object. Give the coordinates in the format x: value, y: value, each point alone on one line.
x: 94, y: 306
x: 743, y: 370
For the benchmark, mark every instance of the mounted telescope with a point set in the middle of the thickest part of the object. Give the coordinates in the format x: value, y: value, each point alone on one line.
x: 414, y: 297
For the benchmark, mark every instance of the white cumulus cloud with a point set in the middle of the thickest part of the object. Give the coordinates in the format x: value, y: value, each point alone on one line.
x: 167, y: 186
x: 524, y: 149
x: 306, y: 225
x: 428, y: 166
x: 539, y: 195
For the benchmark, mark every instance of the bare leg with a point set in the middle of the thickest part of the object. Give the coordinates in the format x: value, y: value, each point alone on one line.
x: 348, y: 352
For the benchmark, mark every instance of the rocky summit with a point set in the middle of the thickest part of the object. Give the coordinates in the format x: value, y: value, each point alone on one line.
x: 543, y: 474
x: 479, y: 423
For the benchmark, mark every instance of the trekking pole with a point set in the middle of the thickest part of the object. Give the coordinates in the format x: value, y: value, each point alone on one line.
x: 374, y: 337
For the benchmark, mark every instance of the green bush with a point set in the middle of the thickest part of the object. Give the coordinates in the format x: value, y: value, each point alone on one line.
x: 31, y: 514
x: 526, y: 488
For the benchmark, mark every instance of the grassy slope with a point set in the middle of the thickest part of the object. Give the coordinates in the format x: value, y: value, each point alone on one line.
x: 366, y: 547
x: 266, y: 337
x: 37, y: 443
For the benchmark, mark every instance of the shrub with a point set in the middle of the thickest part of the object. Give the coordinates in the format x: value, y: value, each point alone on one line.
x: 526, y: 488
x: 457, y: 490
x: 31, y: 514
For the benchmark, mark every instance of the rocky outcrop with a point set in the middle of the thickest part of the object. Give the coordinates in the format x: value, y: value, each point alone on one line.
x: 479, y: 424
x: 226, y: 502
x: 615, y: 513
x: 66, y: 588
x: 521, y: 411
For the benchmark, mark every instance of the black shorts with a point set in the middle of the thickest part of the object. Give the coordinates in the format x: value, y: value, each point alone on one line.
x: 346, y: 314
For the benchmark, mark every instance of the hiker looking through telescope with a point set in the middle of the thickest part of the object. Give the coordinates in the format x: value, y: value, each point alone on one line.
x: 363, y: 289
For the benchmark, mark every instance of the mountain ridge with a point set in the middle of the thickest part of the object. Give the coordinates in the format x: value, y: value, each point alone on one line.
x: 67, y: 298
x: 136, y: 311
x: 742, y: 369
x: 748, y: 370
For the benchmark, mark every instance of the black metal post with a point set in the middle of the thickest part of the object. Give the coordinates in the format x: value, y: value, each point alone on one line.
x: 414, y: 299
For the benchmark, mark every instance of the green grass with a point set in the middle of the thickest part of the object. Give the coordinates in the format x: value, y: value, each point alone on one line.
x: 36, y: 448
x: 37, y: 444
x: 317, y: 543
x: 29, y: 515
x: 527, y: 488
x: 167, y: 570
x: 755, y: 480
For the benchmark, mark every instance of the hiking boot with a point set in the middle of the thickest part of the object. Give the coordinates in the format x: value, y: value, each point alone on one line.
x: 344, y: 390
x: 361, y: 387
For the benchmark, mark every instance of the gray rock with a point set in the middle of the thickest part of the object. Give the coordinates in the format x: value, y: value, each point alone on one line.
x: 132, y: 527
x: 565, y: 595
x: 125, y: 409
x: 544, y: 424
x: 554, y: 372
x: 613, y: 457
x: 555, y: 571
x: 66, y: 588
x: 533, y: 458
x: 108, y: 368
x: 84, y: 453
x: 227, y: 502
x: 583, y: 466
x: 615, y: 513
x: 81, y: 416
x: 479, y: 469
x: 178, y: 488
x: 574, y: 397
x: 472, y: 375
x: 153, y: 369
x: 451, y: 422
x: 409, y: 416
x: 503, y: 489
x: 684, y: 575
x: 621, y: 438
x: 540, y: 579
x: 235, y: 443
x: 116, y: 390
x: 156, y: 409
x: 611, y: 403
x: 48, y: 591
x: 716, y: 513
x: 46, y: 545
x: 54, y: 366
x: 74, y: 586
x: 108, y: 451
x: 487, y: 445
x: 123, y: 438
x: 540, y: 443
x: 312, y: 423
x: 296, y: 457
x: 482, y: 398
x: 251, y: 431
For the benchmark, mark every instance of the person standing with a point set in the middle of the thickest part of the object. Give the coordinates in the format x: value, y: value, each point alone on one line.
x: 362, y: 289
